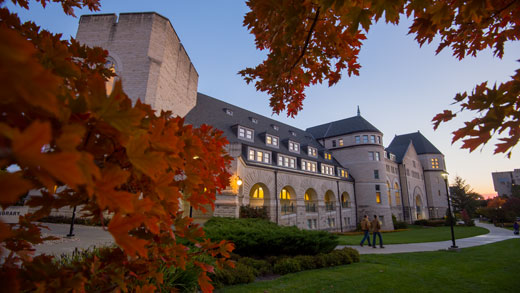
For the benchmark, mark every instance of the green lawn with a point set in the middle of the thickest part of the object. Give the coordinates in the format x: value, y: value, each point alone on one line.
x: 489, y: 268
x: 418, y: 234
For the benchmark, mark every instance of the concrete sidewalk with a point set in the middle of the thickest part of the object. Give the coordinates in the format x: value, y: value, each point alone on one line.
x: 495, y: 234
x: 88, y: 236
x: 84, y: 237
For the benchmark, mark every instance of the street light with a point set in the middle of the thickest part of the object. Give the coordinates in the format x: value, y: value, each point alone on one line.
x: 445, y: 176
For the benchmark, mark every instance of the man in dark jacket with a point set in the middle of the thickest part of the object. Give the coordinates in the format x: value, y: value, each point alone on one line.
x: 376, y: 226
x: 365, y: 226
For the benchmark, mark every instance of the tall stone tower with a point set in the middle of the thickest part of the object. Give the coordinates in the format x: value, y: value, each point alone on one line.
x: 147, y: 55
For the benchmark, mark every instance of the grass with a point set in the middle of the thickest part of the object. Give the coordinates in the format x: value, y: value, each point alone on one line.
x: 488, y: 268
x: 418, y: 234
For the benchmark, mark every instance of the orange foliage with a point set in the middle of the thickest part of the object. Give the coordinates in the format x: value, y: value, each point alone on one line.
x: 312, y: 41
x: 106, y: 155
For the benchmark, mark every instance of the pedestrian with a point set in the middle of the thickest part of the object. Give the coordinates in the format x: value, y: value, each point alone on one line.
x: 376, y: 226
x: 365, y: 227
x: 515, y: 228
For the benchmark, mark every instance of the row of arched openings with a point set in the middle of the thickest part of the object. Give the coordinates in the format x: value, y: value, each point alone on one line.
x: 287, y: 197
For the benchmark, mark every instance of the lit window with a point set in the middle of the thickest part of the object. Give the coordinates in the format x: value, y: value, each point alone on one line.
x: 378, y: 197
x: 357, y: 139
x: 372, y: 139
x: 294, y: 147
x: 333, y: 143
x: 271, y: 140
x: 284, y: 194
x: 340, y: 142
x: 258, y: 193
x: 312, y: 152
x: 397, y: 195
x: 245, y: 133
x: 365, y: 138
x: 285, y: 161
x: 259, y: 156
x: 327, y: 170
x: 327, y: 156
x: 435, y: 163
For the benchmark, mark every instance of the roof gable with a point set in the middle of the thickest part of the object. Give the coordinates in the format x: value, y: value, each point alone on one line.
x: 342, y: 127
x: 421, y: 144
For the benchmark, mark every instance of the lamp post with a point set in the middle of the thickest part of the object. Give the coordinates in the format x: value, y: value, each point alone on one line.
x: 445, y: 176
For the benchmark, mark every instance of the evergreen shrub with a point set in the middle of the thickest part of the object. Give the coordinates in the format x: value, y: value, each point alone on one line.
x: 287, y: 266
x: 260, y: 238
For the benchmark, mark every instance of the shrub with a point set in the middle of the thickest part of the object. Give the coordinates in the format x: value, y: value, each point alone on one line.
x: 400, y: 225
x: 354, y: 254
x: 421, y: 222
x: 260, y: 238
x: 240, y: 274
x: 287, y: 266
x: 430, y: 223
x: 177, y: 279
x: 260, y: 266
x: 342, y: 257
x: 466, y: 218
x: 320, y: 260
x: 307, y: 262
x: 253, y: 212
x: 332, y: 259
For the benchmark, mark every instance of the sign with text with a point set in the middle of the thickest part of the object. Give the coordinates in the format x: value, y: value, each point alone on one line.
x: 10, y: 215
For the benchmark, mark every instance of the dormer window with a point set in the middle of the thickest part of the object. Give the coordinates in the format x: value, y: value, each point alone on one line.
x: 312, y: 152
x: 343, y: 173
x: 275, y: 127
x: 271, y: 140
x: 327, y: 170
x: 229, y: 112
x: 245, y: 133
x: 340, y: 142
x: 294, y: 147
x: 292, y: 133
x: 260, y: 156
x: 254, y: 120
x: 327, y: 156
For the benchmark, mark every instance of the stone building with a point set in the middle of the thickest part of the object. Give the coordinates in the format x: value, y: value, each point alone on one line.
x: 326, y: 177
x: 504, y: 181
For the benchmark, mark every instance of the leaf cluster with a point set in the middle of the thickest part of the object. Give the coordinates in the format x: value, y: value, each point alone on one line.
x: 312, y: 41
x: 81, y: 146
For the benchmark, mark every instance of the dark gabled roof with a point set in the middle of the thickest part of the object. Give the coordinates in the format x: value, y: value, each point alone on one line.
x: 342, y: 127
x: 211, y: 111
x: 400, y: 144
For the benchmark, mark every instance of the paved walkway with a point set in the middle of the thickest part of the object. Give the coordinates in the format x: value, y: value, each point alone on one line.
x: 495, y: 234
x: 88, y: 236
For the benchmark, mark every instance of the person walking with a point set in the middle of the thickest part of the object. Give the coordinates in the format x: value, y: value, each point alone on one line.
x: 365, y: 227
x: 376, y: 226
x: 515, y: 228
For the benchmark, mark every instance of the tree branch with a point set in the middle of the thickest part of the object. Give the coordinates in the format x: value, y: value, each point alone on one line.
x: 309, y: 35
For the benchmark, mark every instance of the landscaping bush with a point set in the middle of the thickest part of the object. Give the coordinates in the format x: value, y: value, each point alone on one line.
x: 307, y: 262
x: 178, y: 280
x: 79, y: 221
x: 286, y: 266
x: 466, y: 218
x: 253, y: 212
x: 240, y: 274
x: 258, y: 237
x: 320, y: 260
x: 398, y: 224
x: 354, y: 254
x: 260, y: 267
x: 342, y: 257
x: 430, y: 223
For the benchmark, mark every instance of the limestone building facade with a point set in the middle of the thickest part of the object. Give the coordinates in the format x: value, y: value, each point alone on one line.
x: 504, y: 181
x: 326, y: 177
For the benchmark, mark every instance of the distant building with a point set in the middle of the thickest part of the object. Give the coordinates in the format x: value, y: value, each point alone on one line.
x: 326, y: 177
x: 504, y: 181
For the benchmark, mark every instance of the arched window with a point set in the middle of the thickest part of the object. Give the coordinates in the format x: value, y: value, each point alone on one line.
x: 310, y: 201
x: 258, y: 192
x: 345, y: 200
x: 286, y: 203
x: 329, y: 201
x: 397, y: 195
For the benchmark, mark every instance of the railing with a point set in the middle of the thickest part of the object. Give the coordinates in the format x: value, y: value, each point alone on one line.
x: 344, y: 205
x: 287, y: 209
x: 329, y: 206
x: 310, y: 207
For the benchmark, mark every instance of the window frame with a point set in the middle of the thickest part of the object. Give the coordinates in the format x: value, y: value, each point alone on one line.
x: 259, y: 156
x: 294, y: 147
x: 245, y: 131
x: 273, y: 138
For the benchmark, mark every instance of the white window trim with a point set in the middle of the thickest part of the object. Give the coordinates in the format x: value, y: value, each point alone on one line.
x: 312, y: 166
x: 312, y: 152
x: 254, y: 153
x: 294, y: 147
x: 245, y: 131
x: 287, y: 161
x: 273, y: 139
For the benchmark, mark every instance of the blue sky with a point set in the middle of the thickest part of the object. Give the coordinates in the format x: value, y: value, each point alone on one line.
x: 401, y: 87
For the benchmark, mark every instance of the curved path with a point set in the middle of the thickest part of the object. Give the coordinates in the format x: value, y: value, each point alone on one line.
x: 495, y: 234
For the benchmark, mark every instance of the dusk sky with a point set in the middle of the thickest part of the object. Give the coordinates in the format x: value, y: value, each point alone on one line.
x: 400, y: 89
